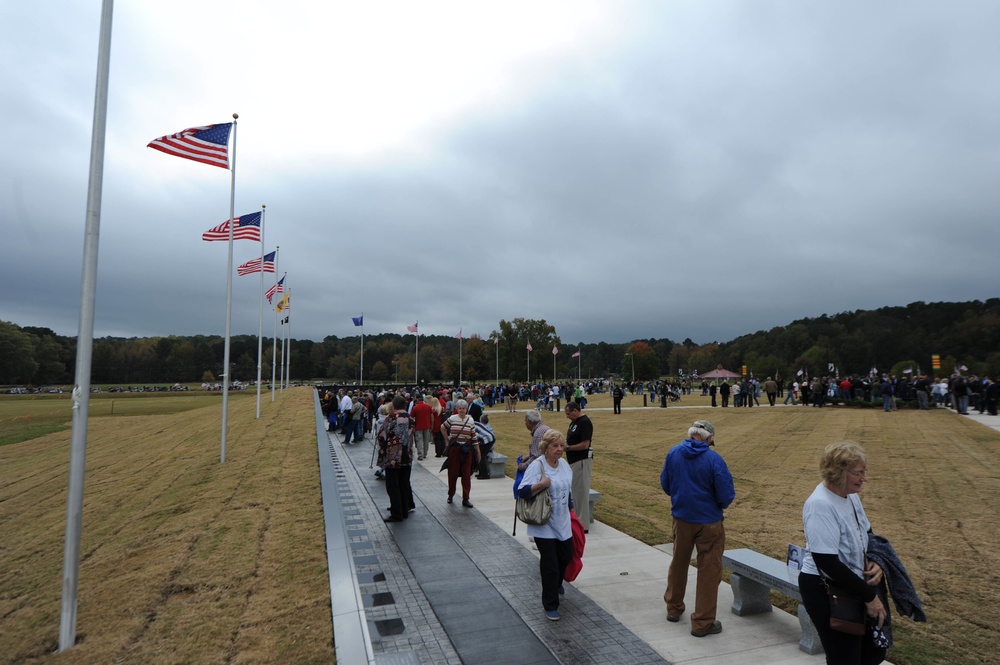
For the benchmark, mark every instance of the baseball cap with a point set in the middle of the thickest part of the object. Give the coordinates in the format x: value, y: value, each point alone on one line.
x: 705, y: 425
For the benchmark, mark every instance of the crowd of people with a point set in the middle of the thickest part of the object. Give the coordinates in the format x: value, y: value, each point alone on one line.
x: 958, y: 392
x: 841, y: 551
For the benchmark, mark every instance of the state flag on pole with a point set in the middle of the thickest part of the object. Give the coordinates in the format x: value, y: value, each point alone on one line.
x: 247, y: 228
x: 253, y: 266
x: 555, y: 349
x: 575, y: 355
x: 358, y: 320
x: 277, y: 288
x: 413, y: 328
x: 282, y: 304
x: 208, y: 144
x: 529, y: 346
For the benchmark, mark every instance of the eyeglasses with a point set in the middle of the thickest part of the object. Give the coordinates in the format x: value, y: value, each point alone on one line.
x: 863, y: 473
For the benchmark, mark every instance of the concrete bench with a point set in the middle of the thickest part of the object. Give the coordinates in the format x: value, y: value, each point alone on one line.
x: 595, y: 496
x: 754, y: 575
x: 498, y: 464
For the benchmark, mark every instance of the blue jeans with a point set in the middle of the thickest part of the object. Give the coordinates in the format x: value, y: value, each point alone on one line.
x: 790, y: 396
x: 355, y: 427
x: 886, y: 401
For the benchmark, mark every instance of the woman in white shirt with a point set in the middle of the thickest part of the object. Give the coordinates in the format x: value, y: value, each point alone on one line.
x: 554, y: 539
x: 837, y: 532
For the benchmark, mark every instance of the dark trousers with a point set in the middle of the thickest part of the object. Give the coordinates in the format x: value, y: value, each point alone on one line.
x: 397, y: 486
x: 725, y: 401
x: 839, y: 647
x: 618, y: 406
x: 553, y: 557
x: 713, y: 401
x: 440, y: 447
x: 484, y: 464
x: 771, y: 397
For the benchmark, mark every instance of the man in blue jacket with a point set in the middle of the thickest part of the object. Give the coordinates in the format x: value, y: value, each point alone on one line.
x: 700, y: 488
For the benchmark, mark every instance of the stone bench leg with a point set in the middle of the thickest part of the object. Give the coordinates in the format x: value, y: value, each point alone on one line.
x: 810, y: 638
x: 749, y: 597
x: 498, y: 465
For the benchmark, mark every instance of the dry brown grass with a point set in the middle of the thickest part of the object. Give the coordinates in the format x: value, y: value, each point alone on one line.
x: 186, y: 560
x: 183, y: 559
x: 934, y: 491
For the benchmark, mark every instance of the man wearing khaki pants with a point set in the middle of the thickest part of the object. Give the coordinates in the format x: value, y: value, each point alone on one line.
x: 700, y: 487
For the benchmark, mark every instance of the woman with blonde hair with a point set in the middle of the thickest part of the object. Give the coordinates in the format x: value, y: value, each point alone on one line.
x: 436, y: 421
x: 837, y: 533
x: 554, y: 539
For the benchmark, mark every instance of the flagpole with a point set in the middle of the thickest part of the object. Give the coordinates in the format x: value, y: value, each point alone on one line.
x: 229, y: 300
x: 496, y: 345
x: 281, y: 374
x: 416, y: 355
x: 260, y: 318
x: 528, y: 352
x: 362, y: 349
x: 274, y: 340
x: 553, y: 365
x: 288, y: 331
x: 285, y: 342
x: 85, y: 341
x: 579, y: 377
x: 459, y: 356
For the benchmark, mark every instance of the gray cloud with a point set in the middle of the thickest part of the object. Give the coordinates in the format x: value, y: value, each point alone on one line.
x: 693, y: 170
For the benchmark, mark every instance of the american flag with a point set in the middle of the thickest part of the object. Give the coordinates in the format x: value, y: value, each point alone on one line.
x: 208, y: 144
x: 575, y: 355
x: 247, y: 228
x: 459, y: 335
x: 529, y: 346
x: 253, y: 265
x: 412, y: 328
x: 555, y: 349
x: 277, y: 288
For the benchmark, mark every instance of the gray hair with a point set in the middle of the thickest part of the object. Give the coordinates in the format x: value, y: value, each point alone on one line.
x: 461, y: 404
x: 702, y: 433
x: 533, y: 416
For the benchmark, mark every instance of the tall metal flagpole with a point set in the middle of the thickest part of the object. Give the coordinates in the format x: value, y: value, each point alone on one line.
x: 260, y: 326
x: 274, y: 340
x: 229, y: 301
x: 528, y: 352
x: 496, y: 346
x: 85, y: 340
x: 281, y: 374
x: 460, y: 356
x: 416, y: 356
x: 288, y: 333
x: 362, y: 349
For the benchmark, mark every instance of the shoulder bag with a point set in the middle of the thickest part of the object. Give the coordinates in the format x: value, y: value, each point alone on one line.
x: 847, y: 611
x: 538, y: 509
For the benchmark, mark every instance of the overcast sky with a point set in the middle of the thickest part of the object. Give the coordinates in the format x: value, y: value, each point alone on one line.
x: 622, y: 170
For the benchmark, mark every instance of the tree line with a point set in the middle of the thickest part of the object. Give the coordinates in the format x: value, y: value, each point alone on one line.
x: 888, y: 339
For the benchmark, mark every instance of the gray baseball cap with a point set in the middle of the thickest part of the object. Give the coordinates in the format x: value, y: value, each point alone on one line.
x: 707, y: 426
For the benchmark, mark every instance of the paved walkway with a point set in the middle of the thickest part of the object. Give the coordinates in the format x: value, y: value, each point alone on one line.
x: 452, y: 585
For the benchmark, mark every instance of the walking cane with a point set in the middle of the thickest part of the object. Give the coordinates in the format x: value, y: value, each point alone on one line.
x: 374, y: 448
